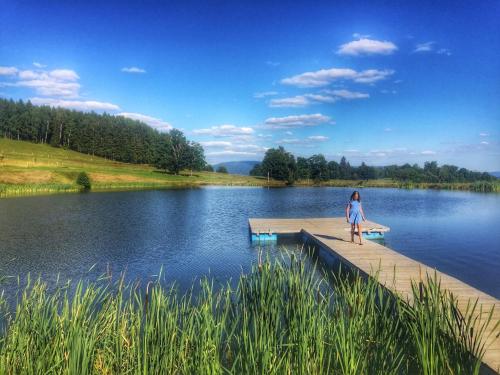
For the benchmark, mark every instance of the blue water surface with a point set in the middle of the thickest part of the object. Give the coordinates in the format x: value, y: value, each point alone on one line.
x: 197, y: 232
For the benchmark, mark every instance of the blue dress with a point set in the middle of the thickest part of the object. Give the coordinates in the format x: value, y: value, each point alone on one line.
x: 355, y: 216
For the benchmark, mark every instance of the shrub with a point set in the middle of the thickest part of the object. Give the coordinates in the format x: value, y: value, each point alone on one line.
x: 222, y: 169
x: 208, y: 168
x: 83, y: 180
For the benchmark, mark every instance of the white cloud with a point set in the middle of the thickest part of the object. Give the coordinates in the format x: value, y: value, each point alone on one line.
x: 366, y: 46
x: 396, y: 155
x: 372, y: 75
x: 424, y: 47
x: 288, y: 132
x: 64, y: 75
x: 224, y: 131
x: 83, y: 105
x: 431, y: 47
x: 318, y: 138
x: 48, y: 87
x: 485, y: 143
x: 296, y: 101
x: 30, y: 74
x: 346, y: 94
x: 321, y: 77
x: 227, y: 148
x: 8, y: 70
x: 151, y: 121
x: 231, y: 153
x: 289, y: 141
x: 393, y: 153
x: 216, y: 144
x: 58, y: 82
x: 60, y: 88
x: 319, y: 98
x: 264, y: 94
x: 325, y: 77
x: 297, y: 121
x: 302, y: 100
x: 242, y: 138
x: 307, y: 99
x: 133, y: 69
x: 247, y: 147
x: 309, y: 141
x: 39, y: 65
x: 261, y: 135
x: 483, y: 134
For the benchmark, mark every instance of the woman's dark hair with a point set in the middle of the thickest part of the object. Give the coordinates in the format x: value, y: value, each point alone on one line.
x: 354, y: 193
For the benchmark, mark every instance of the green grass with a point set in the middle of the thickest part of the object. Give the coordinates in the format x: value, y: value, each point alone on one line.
x: 280, y: 319
x: 28, y: 168
x: 478, y: 186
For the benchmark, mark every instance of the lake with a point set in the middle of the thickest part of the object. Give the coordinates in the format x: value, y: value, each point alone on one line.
x: 196, y: 232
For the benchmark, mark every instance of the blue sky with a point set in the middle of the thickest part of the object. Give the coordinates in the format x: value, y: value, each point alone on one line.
x: 375, y: 81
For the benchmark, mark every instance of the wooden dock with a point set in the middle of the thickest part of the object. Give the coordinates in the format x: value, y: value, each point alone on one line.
x: 395, y: 271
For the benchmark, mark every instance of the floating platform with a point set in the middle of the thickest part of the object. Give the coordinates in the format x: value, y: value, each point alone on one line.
x: 264, y: 237
x: 265, y: 230
x: 395, y: 271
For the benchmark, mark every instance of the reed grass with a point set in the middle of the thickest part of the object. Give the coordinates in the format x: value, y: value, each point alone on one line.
x: 281, y: 318
x: 477, y: 186
x: 10, y: 190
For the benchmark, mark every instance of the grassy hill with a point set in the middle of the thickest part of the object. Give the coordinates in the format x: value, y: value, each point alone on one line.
x: 27, y: 168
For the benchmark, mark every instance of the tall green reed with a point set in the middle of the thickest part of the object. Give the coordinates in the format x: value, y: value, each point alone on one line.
x: 281, y: 318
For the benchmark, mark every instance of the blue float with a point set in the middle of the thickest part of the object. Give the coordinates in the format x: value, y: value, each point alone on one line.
x: 264, y: 237
x: 272, y: 237
x: 373, y: 235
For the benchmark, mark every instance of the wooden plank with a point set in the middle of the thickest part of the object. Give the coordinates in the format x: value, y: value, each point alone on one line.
x: 395, y: 271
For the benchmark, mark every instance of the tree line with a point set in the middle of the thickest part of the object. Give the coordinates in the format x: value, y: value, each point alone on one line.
x: 281, y: 165
x: 112, y: 137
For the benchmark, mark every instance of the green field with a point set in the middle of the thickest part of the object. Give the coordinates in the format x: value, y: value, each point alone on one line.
x: 28, y: 168
x: 478, y: 186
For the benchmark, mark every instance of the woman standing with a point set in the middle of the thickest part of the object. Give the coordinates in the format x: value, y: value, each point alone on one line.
x: 354, y: 214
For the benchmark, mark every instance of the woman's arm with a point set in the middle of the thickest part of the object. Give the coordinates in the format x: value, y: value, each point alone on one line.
x: 362, y: 212
x: 347, y: 210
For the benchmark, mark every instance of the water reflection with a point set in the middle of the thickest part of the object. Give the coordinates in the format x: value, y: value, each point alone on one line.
x: 197, y: 232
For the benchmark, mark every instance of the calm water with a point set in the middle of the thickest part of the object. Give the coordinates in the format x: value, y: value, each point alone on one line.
x: 196, y: 232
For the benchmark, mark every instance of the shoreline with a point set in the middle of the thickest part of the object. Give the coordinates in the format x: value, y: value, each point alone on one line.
x: 25, y: 190
x: 30, y: 169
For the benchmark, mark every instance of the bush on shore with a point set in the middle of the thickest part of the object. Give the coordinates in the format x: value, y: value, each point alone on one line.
x: 83, y: 180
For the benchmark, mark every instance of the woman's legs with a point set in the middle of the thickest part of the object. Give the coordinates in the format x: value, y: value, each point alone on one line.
x: 352, y: 232
x: 360, y: 234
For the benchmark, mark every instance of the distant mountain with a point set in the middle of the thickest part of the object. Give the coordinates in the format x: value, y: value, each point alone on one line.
x: 238, y: 167
x: 496, y: 174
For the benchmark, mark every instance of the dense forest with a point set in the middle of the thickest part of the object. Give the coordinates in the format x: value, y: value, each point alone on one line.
x: 112, y: 137
x: 282, y: 165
